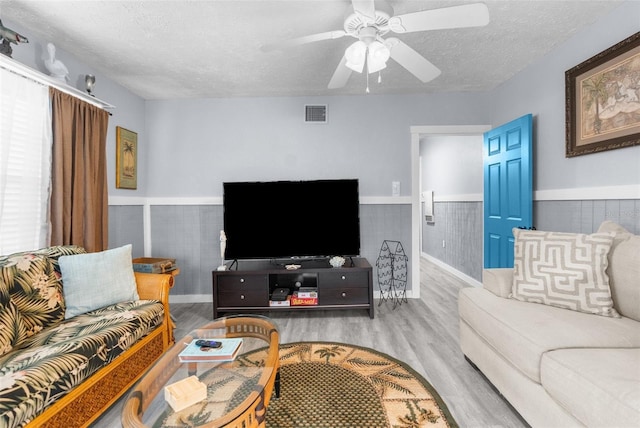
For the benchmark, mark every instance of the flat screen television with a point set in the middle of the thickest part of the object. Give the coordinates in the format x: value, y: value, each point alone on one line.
x: 291, y: 219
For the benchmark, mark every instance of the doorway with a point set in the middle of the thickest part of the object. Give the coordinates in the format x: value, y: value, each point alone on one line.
x: 418, y: 133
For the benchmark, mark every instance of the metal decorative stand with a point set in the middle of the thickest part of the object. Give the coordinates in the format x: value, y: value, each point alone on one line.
x: 392, y: 273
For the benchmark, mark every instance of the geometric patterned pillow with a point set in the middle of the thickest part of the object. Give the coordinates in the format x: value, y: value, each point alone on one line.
x: 566, y: 270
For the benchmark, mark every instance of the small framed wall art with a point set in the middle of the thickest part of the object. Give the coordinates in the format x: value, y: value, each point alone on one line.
x: 603, y: 100
x: 126, y: 159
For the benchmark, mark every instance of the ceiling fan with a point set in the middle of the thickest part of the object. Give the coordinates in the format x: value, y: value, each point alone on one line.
x: 369, y: 20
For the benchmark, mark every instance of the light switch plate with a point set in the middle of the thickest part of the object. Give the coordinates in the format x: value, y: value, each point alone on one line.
x: 395, y: 188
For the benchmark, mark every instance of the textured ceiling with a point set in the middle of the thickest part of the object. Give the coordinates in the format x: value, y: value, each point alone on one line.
x: 200, y: 49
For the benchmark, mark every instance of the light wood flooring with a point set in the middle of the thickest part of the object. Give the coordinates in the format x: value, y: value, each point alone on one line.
x: 423, y: 333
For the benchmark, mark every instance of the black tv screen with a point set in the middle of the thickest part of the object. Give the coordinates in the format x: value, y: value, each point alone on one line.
x: 286, y: 219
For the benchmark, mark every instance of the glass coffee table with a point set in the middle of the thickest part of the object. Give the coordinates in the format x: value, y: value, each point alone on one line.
x: 238, y: 392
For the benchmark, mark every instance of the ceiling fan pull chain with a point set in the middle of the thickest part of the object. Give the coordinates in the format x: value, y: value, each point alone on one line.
x: 367, y: 91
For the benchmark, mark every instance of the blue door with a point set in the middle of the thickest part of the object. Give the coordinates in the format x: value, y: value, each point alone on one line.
x: 508, y: 188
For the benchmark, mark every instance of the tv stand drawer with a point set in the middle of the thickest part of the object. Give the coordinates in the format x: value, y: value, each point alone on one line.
x: 344, y: 278
x: 243, y: 298
x: 236, y: 281
x: 343, y: 296
x: 237, y: 289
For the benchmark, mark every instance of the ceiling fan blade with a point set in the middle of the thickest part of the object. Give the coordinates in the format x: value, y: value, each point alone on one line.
x: 468, y: 15
x: 341, y: 75
x: 412, y: 60
x: 366, y: 9
x: 285, y: 44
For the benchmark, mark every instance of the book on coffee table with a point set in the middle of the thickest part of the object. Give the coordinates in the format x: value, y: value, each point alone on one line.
x: 226, y: 352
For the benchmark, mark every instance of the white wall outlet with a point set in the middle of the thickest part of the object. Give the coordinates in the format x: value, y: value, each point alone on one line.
x: 395, y: 188
x: 443, y: 244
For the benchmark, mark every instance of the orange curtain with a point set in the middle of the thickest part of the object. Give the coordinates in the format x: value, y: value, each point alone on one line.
x: 79, y: 204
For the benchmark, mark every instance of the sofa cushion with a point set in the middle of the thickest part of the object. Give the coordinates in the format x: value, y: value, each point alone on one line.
x: 31, y: 281
x: 94, y: 280
x: 11, y: 325
x: 498, y: 280
x: 624, y: 270
x: 566, y: 270
x: 522, y: 332
x: 56, y: 360
x: 599, y: 387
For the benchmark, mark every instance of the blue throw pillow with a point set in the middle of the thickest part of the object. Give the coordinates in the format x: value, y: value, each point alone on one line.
x: 95, y: 280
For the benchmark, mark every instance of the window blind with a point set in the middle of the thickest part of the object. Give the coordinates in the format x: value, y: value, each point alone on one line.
x: 25, y: 163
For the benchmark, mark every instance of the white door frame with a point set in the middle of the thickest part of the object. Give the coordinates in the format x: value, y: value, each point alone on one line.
x: 416, y: 132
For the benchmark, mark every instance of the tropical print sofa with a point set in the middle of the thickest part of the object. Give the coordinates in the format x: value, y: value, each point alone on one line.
x: 79, y: 362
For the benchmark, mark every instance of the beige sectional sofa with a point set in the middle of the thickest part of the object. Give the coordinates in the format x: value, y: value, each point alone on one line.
x: 561, y: 364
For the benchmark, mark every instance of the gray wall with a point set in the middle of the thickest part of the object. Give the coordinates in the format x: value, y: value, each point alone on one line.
x: 539, y: 89
x: 189, y: 233
x: 460, y: 225
x: 126, y: 226
x: 452, y: 165
x: 586, y: 216
x: 198, y: 144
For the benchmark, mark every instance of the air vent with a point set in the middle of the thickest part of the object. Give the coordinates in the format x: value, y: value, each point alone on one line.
x: 315, y: 113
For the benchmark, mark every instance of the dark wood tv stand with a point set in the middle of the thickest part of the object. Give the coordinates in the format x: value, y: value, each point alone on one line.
x: 248, y: 288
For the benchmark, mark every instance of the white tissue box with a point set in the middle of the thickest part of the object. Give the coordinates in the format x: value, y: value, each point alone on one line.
x: 185, y: 393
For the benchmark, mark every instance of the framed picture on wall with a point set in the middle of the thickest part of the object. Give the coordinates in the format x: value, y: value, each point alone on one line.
x: 126, y: 159
x: 603, y: 100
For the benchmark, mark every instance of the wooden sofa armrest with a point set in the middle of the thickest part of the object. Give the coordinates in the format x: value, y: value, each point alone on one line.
x: 156, y: 286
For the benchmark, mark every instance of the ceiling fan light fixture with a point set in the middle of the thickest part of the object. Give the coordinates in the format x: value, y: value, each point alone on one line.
x: 379, y: 51
x: 375, y: 65
x: 356, y: 55
x: 378, y: 55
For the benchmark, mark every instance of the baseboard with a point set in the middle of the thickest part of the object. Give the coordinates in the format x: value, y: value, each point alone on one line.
x: 453, y: 271
x: 190, y: 298
x: 376, y: 295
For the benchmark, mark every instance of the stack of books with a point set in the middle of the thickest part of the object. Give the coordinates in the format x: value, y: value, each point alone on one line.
x: 305, y: 296
x: 286, y: 302
x: 154, y: 265
x: 226, y: 352
x: 280, y: 297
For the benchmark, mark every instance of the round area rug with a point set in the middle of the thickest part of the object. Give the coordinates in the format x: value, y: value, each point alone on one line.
x: 334, y: 385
